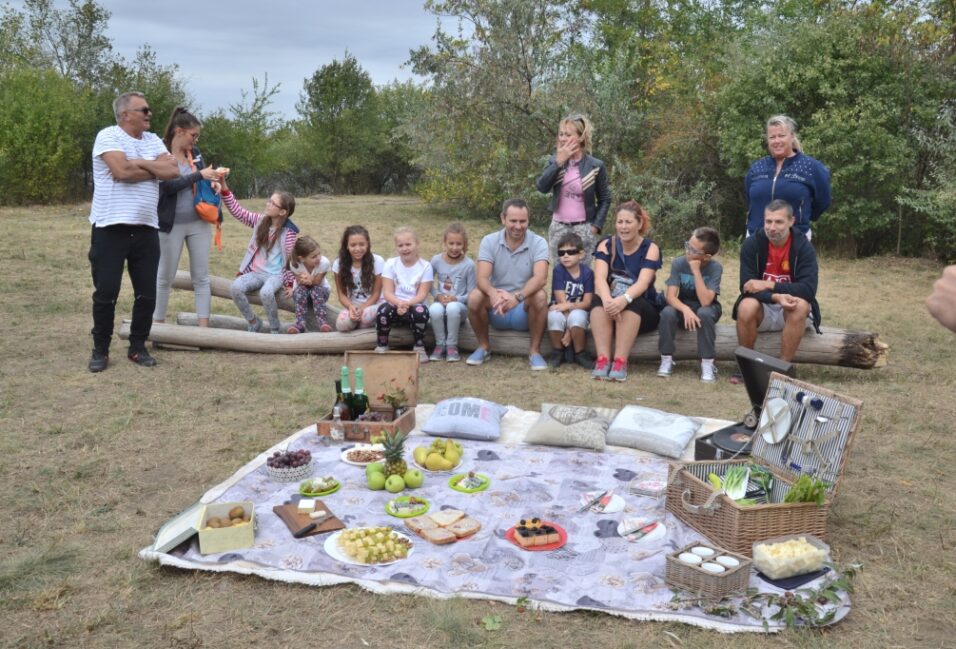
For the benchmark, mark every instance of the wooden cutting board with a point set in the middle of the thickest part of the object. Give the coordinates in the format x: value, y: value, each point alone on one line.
x: 295, y: 521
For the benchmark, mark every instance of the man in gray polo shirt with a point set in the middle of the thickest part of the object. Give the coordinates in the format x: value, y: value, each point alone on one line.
x: 512, y: 271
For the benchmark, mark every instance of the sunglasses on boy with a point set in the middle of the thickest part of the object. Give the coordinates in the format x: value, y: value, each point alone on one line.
x: 567, y: 252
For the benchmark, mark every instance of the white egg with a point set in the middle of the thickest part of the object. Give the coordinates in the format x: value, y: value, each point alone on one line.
x: 729, y: 562
x: 715, y: 568
x: 687, y: 557
x: 702, y: 551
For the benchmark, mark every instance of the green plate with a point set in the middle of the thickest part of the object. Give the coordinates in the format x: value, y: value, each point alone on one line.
x: 316, y: 494
x: 453, y: 483
x: 418, y: 512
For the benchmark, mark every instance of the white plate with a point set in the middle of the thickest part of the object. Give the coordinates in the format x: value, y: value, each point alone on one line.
x: 332, y: 549
x: 361, y: 447
x: 775, y: 420
x: 655, y: 534
x: 615, y: 505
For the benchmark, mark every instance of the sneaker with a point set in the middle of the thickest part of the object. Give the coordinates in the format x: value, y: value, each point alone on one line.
x: 737, y: 378
x: 437, y: 354
x: 254, y: 327
x: 618, y: 370
x: 295, y: 329
x: 422, y: 354
x: 99, y: 361
x: 381, y: 349
x: 451, y: 355
x: 537, y: 362
x: 708, y: 372
x: 141, y: 357
x: 478, y: 356
x: 569, y: 354
x: 274, y: 332
x: 667, y: 366
x: 601, y: 367
x: 555, y: 358
x: 325, y: 328
x: 584, y: 359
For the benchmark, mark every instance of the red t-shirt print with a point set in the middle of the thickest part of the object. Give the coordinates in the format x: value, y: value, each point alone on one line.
x: 778, y: 263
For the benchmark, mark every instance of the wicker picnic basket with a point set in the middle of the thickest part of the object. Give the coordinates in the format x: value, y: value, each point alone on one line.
x: 807, y: 449
x: 697, y: 580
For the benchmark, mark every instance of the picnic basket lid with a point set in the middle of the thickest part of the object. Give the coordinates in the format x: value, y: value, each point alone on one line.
x: 756, y: 369
x: 385, y: 372
x: 818, y: 448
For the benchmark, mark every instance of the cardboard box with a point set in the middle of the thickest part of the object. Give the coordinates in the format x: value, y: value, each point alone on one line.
x: 226, y: 539
x: 384, y: 372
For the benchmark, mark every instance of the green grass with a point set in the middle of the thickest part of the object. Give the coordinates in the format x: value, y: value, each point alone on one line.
x: 92, y: 465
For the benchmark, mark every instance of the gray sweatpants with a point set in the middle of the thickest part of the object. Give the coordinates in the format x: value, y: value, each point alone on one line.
x: 197, y: 235
x: 671, y: 319
x: 268, y: 285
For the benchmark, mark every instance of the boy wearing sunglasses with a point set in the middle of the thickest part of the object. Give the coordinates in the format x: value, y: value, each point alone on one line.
x: 692, y: 290
x: 572, y: 287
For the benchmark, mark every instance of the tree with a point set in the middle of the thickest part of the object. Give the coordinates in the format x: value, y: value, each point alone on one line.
x: 341, y: 123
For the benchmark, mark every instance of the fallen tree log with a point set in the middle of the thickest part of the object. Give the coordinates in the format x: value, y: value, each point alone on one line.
x: 833, y: 347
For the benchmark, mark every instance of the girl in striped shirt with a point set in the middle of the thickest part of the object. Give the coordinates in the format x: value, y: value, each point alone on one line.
x: 264, y: 267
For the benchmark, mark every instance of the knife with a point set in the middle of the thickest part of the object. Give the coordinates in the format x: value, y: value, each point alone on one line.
x: 593, y: 502
x: 642, y: 531
x: 305, y: 530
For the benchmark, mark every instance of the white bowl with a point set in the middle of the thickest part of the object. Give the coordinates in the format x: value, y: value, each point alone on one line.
x: 687, y: 557
x: 715, y: 568
x: 703, y: 551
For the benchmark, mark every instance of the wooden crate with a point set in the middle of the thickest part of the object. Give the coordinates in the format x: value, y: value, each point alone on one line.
x: 692, y: 499
x: 383, y: 371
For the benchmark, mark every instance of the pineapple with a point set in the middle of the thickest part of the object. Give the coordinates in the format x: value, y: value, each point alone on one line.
x: 394, y: 451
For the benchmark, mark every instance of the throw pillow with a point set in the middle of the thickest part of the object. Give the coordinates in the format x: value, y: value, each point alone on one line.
x: 466, y: 418
x: 651, y: 430
x: 578, y: 426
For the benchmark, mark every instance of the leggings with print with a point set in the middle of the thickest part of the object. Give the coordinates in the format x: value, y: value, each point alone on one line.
x: 319, y: 296
x: 267, y: 285
x: 416, y: 316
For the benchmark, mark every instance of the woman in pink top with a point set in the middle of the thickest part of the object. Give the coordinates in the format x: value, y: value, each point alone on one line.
x: 580, y: 194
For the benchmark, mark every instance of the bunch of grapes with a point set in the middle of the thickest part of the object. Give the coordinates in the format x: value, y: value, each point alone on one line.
x: 289, y: 459
x: 370, y: 416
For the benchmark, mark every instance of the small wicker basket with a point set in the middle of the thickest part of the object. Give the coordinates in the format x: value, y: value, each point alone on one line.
x: 693, y: 578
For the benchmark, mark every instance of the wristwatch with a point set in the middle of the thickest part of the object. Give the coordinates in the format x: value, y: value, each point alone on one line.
x: 519, y: 296
x: 628, y: 298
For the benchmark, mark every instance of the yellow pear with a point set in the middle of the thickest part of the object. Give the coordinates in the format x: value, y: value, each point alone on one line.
x: 452, y: 455
x: 434, y: 462
x: 444, y: 465
x: 420, y: 454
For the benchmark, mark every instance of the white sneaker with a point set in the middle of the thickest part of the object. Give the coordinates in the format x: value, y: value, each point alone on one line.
x: 667, y: 366
x: 708, y: 372
x: 381, y: 349
x: 422, y: 354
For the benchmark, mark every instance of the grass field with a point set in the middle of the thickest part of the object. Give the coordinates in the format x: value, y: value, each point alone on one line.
x: 93, y: 464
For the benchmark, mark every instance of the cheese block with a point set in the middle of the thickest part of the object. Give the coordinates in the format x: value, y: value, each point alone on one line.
x: 306, y: 505
x: 464, y: 527
x: 447, y: 517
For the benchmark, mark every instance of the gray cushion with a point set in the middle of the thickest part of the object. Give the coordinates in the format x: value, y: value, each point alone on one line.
x: 466, y: 418
x: 651, y: 430
x: 578, y: 426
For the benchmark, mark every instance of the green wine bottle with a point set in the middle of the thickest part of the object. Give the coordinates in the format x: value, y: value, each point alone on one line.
x: 359, y: 399
x: 347, y: 391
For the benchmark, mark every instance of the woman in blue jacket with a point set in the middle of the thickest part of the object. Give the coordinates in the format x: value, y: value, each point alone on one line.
x: 580, y: 193
x: 788, y: 174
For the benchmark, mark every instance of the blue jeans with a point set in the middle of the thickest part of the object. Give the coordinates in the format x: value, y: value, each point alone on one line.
x: 446, y: 322
x: 515, y: 320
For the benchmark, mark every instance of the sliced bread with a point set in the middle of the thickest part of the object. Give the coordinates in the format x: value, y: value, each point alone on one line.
x: 438, y: 536
x: 419, y: 524
x: 447, y: 517
x: 464, y: 527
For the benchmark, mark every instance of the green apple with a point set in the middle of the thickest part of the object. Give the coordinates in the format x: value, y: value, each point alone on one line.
x: 414, y: 478
x: 376, y: 481
x: 394, y: 483
x: 374, y: 467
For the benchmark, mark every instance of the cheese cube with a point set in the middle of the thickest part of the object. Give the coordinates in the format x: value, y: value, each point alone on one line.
x: 306, y: 505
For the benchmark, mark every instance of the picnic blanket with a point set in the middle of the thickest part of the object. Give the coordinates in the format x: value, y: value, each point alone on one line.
x: 595, y: 570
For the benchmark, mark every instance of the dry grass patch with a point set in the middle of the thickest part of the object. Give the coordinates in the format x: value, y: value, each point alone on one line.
x: 93, y: 464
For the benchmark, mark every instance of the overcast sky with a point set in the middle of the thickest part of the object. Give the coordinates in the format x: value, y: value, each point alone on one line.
x: 221, y: 46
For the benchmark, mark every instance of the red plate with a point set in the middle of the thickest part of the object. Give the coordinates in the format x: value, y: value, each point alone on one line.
x: 562, y: 539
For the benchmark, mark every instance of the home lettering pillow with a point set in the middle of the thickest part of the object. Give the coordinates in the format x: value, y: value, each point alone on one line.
x: 466, y: 418
x: 578, y: 426
x: 655, y: 431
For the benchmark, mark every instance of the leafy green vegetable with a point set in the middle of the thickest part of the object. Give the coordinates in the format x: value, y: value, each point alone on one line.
x: 762, y: 477
x: 807, y: 489
x: 735, y: 482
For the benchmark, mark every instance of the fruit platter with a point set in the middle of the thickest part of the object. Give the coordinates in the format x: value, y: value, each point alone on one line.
x: 446, y: 526
x: 314, y: 487
x: 363, y: 454
x: 470, y: 482
x: 441, y: 456
x: 393, y: 474
x: 364, y: 546
x: 536, y: 535
x: 407, y: 506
